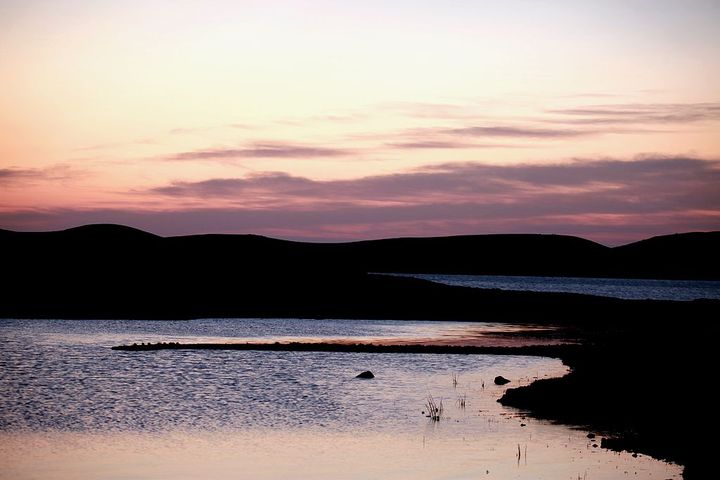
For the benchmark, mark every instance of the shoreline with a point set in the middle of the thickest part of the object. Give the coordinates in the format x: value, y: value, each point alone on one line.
x: 552, y: 351
x: 619, y: 382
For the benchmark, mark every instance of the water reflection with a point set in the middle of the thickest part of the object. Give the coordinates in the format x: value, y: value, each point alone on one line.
x: 438, y: 454
x: 627, y: 288
x: 76, y: 409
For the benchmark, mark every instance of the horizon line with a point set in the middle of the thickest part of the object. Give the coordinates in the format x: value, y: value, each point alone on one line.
x: 343, y: 241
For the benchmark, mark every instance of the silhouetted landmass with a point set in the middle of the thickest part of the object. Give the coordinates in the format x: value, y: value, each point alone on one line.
x: 110, y: 271
x: 679, y: 256
x: 480, y: 254
x: 649, y: 385
x: 686, y: 255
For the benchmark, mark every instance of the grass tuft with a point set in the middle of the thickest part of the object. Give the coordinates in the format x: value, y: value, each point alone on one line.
x: 434, y: 409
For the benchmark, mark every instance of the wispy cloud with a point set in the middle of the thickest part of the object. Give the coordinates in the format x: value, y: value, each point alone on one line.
x: 443, y: 144
x: 280, y: 184
x: 657, y: 113
x: 477, y: 136
x: 14, y: 176
x: 263, y: 150
x: 13, y: 173
x: 549, y: 125
x: 469, y: 126
x: 513, y: 132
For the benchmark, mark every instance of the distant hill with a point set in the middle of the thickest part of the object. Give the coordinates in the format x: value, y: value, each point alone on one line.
x: 682, y: 255
x: 686, y: 255
x: 112, y: 271
x: 479, y: 254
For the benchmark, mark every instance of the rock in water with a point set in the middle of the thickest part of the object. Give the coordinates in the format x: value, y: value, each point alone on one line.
x: 366, y: 374
x: 500, y: 380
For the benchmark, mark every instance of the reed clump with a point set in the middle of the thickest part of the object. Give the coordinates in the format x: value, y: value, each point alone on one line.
x: 434, y: 408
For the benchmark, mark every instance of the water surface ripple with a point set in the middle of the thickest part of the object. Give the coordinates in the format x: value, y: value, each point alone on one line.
x: 72, y: 408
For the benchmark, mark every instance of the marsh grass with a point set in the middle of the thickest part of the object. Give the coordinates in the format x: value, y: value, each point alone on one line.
x: 434, y: 409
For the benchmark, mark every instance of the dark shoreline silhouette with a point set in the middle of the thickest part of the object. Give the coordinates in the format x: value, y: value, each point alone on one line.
x: 110, y: 271
x: 678, y: 256
x: 646, y: 384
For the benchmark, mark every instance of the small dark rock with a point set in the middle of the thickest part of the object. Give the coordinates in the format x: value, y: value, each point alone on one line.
x: 366, y: 374
x: 595, y: 445
x: 523, y: 425
x: 590, y: 435
x: 634, y: 455
x: 500, y: 380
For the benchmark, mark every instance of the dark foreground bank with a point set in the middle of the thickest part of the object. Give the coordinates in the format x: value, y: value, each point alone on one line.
x: 647, y: 383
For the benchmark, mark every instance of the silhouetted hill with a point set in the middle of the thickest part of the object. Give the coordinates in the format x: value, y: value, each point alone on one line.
x: 691, y: 255
x: 115, y: 271
x: 682, y: 255
x: 103, y: 232
x: 480, y: 254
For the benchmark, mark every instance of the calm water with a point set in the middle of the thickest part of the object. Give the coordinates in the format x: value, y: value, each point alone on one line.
x: 72, y: 408
x: 633, y: 289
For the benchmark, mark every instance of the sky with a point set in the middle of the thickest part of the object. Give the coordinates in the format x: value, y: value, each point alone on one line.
x: 346, y: 120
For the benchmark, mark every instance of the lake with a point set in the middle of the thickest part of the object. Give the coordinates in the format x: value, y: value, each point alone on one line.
x: 628, y: 288
x: 72, y: 408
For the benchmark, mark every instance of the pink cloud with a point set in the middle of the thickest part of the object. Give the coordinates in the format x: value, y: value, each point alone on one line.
x: 607, y: 200
x: 262, y: 150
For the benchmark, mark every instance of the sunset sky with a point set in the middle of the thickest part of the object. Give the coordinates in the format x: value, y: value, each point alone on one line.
x: 344, y: 120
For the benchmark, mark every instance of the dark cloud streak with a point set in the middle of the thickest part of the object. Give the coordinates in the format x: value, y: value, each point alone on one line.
x: 14, y: 177
x: 13, y: 173
x: 513, y: 132
x: 262, y: 150
x: 660, y: 113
